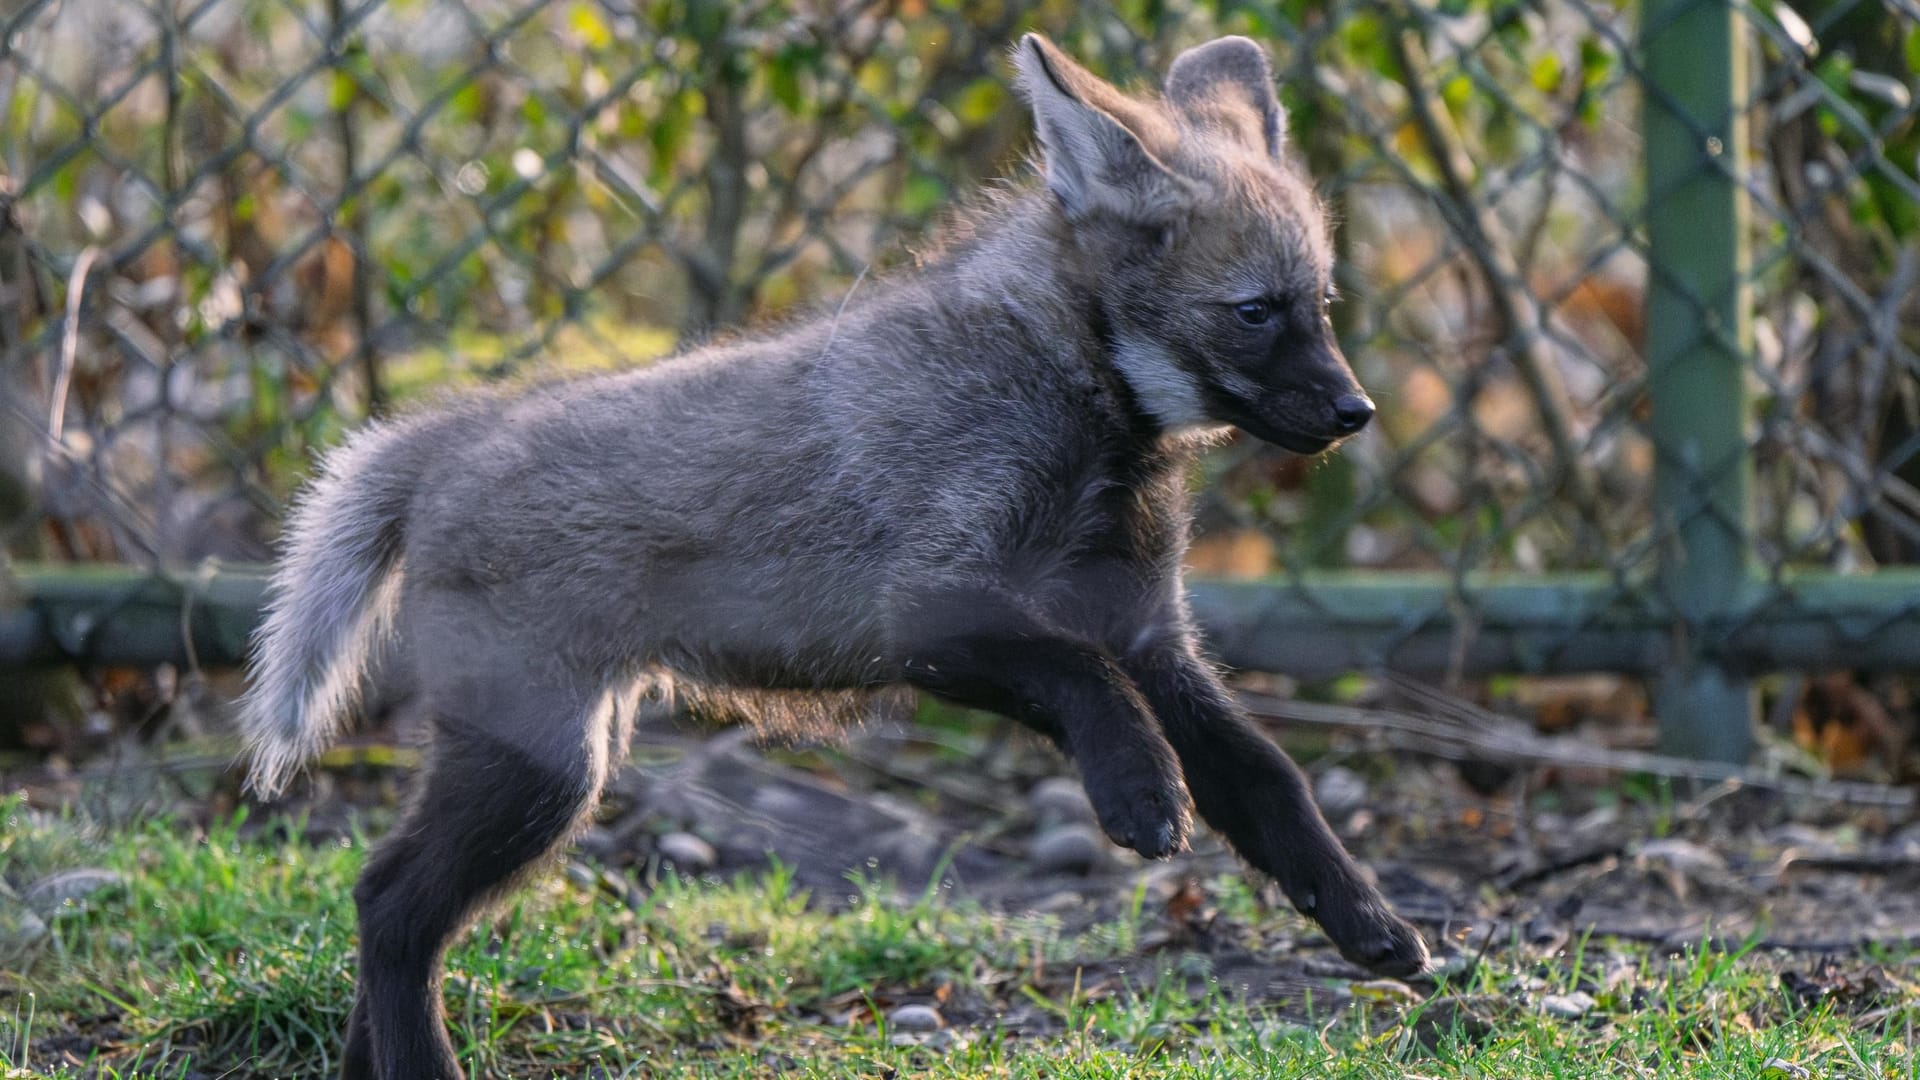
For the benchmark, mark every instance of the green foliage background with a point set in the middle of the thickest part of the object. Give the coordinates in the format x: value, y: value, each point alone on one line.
x: 309, y: 210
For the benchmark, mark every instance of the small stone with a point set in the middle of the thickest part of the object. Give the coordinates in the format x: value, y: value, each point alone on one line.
x: 1340, y: 791
x: 598, y: 843
x: 1567, y: 1006
x: 1684, y: 856
x: 915, y: 1018
x: 688, y: 852
x: 21, y: 933
x: 1455, y: 969
x: 1059, y: 799
x: 1056, y: 903
x: 1067, y: 849
x: 910, y: 850
x: 69, y: 890
x: 1905, y: 844
x: 591, y: 877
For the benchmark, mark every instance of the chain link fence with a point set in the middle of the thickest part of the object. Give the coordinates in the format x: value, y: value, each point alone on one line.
x: 1634, y: 285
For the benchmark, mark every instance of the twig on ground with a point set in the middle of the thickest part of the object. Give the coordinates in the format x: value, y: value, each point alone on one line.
x: 1447, y: 733
x: 1500, y: 927
x: 1531, y: 875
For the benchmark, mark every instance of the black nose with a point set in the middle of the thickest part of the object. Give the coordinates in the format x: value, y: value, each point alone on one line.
x: 1351, y: 412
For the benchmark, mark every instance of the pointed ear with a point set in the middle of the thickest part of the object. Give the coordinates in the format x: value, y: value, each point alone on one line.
x: 1097, y: 143
x: 1230, y: 80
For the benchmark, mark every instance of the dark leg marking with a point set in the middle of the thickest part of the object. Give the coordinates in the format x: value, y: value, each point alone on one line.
x: 1250, y: 792
x: 487, y: 811
x: 1011, y: 664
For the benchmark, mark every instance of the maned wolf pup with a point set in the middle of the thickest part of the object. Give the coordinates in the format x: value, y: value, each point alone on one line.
x: 968, y: 481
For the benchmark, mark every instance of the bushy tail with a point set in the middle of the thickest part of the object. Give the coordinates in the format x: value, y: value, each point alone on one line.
x: 330, y: 600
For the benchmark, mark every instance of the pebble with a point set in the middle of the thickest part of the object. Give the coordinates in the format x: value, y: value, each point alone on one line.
x: 910, y: 850
x: 1568, y: 1006
x: 1055, y: 903
x: 1905, y: 843
x: 584, y: 876
x: 598, y: 843
x: 1683, y: 855
x: 1067, y: 849
x: 688, y: 852
x: 940, y: 1041
x: 1059, y: 799
x: 1454, y: 969
x: 915, y: 1018
x: 1340, y: 791
x: 593, y: 878
x: 69, y: 890
x: 21, y: 933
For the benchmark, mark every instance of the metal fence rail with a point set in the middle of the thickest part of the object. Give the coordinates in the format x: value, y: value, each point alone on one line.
x: 1636, y: 287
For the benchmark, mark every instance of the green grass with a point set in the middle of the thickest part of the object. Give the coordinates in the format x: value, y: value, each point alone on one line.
x: 226, y: 955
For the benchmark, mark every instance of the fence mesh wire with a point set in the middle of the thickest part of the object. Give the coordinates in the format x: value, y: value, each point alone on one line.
x: 231, y: 229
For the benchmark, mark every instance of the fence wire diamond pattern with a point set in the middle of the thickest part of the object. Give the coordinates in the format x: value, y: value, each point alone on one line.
x: 231, y: 229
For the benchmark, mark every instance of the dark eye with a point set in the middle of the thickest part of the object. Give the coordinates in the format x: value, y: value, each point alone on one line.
x: 1254, y: 312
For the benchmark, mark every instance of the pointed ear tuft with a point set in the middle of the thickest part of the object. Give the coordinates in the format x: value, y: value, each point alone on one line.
x: 1095, y: 140
x: 1230, y: 79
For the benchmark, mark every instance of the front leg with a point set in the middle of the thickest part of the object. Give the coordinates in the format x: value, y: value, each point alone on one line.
x: 1007, y: 662
x: 1249, y: 791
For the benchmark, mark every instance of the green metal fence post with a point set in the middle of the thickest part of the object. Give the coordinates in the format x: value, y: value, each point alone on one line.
x: 1699, y: 335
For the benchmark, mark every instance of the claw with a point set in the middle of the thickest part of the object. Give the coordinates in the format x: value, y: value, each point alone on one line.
x: 1391, y: 947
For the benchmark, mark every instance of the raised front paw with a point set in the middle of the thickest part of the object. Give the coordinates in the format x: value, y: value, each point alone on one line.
x: 1151, y: 815
x: 1388, y: 945
x: 1367, y: 932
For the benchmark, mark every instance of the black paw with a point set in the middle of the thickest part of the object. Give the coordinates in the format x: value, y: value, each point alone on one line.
x: 1369, y: 934
x: 1394, y: 948
x: 1152, y: 819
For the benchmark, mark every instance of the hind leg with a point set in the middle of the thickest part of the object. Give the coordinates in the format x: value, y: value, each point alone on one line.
x: 488, y: 811
x: 517, y: 759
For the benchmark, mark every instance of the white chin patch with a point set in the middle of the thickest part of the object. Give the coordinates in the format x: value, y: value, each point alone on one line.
x: 1164, y: 388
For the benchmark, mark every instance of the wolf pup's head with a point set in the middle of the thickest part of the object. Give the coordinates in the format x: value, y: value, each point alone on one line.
x: 1206, y: 248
